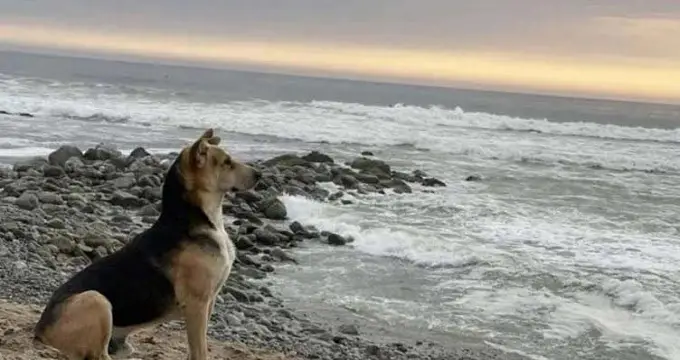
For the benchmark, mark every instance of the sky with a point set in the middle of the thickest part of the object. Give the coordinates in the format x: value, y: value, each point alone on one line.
x: 624, y: 49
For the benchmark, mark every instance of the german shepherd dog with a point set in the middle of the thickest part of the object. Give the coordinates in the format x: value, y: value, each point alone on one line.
x: 172, y: 270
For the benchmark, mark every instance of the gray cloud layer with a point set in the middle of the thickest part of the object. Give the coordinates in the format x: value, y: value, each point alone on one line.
x: 443, y: 24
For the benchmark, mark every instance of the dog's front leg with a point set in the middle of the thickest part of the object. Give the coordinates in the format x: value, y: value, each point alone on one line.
x: 196, y: 313
x: 195, y: 282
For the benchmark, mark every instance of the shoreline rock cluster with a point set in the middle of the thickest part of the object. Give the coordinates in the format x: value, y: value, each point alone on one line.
x: 61, y: 212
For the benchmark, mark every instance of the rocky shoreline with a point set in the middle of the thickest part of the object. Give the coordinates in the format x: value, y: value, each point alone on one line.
x: 62, y: 212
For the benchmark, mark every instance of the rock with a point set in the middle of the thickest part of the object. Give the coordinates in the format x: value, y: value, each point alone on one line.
x: 435, y: 182
x: 335, y: 239
x: 102, y: 152
x: 64, y: 244
x: 297, y: 228
x: 336, y: 196
x: 346, y: 180
x: 126, y: 200
x: 63, y: 154
x: 266, y: 237
x: 233, y: 320
x: 244, y: 242
x: 474, y: 177
x: 96, y: 240
x: 33, y: 163
x: 249, y: 196
x: 56, y: 224
x: 274, y: 209
x: 373, y: 350
x: 399, y: 186
x: 148, y: 210
x: 124, y: 182
x: 46, y: 197
x: 317, y: 157
x: 27, y: 201
x: 137, y: 153
x: 121, y: 218
x: 252, y: 273
x: 367, y: 178
x: 367, y: 153
x: 371, y: 165
x: 287, y: 160
x: 149, y: 181
x: 239, y: 295
x: 282, y: 255
x: 73, y: 165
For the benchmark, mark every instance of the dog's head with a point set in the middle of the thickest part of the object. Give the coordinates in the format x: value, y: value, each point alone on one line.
x: 207, y: 168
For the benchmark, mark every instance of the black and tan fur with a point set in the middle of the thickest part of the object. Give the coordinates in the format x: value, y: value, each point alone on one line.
x: 173, y: 270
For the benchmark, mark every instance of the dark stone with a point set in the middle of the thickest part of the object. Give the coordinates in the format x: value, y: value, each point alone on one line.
x: 370, y: 165
x: 399, y: 186
x: 473, y: 178
x: 137, y: 153
x: 36, y: 163
x: 367, y: 153
x: 266, y: 237
x: 335, y: 239
x: 102, y: 152
x: 239, y: 295
x: 27, y: 201
x: 348, y: 329
x: 274, y: 209
x: 435, y: 182
x: 286, y: 160
x: 126, y: 200
x: 282, y: 256
x: 347, y: 181
x: 62, y: 154
x: 368, y: 178
x: 317, y: 157
x: 249, y: 196
x: 336, y: 196
x: 124, y: 182
x: 297, y: 228
x: 244, y: 242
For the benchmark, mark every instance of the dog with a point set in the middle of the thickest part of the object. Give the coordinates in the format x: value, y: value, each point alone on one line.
x: 172, y: 270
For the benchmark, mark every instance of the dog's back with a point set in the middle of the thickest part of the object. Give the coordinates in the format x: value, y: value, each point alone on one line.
x: 135, y: 280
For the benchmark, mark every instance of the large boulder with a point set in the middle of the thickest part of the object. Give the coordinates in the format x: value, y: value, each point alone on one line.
x: 371, y: 166
x: 287, y: 160
x: 103, y: 152
x: 62, y: 154
x: 318, y: 157
x: 274, y: 209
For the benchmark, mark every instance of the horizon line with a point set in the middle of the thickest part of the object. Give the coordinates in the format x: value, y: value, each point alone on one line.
x: 235, y: 67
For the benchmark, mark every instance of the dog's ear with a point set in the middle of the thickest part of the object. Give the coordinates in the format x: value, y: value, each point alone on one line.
x: 209, y: 133
x: 199, y: 153
x: 215, y: 140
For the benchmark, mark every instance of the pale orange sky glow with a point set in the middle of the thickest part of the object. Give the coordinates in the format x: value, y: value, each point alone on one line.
x: 654, y: 81
x: 627, y: 51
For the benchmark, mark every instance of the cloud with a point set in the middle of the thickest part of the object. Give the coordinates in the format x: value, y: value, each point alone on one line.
x: 629, y: 43
x: 499, y: 69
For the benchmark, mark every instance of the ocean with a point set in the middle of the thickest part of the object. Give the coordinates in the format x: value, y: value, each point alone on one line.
x: 567, y: 249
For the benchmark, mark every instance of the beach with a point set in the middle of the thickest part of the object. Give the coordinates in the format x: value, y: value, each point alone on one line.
x: 554, y: 237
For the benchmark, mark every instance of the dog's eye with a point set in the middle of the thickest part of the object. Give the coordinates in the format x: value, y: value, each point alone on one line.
x: 227, y: 162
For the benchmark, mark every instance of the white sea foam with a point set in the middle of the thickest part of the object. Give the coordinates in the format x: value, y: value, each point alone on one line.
x: 375, y: 237
x: 497, y: 261
x: 444, y: 130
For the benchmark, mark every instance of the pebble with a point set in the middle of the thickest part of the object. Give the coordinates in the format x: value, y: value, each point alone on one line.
x: 27, y: 201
